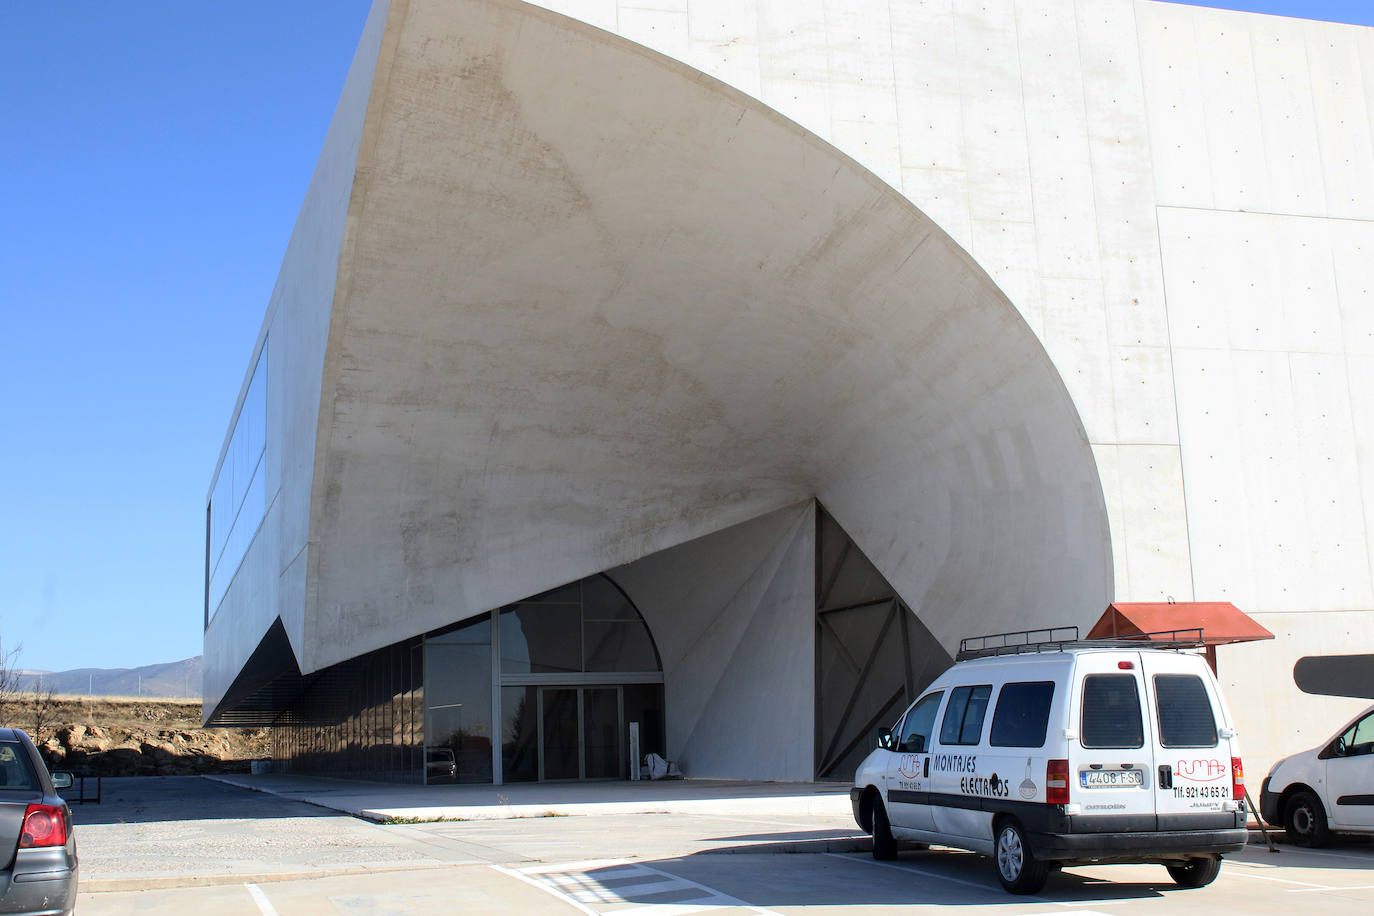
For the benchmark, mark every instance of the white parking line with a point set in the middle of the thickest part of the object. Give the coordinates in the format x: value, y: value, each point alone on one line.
x: 1308, y: 884
x: 1309, y: 890
x: 260, y: 899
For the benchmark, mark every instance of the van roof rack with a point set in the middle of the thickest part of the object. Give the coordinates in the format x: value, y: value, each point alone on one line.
x: 1057, y: 639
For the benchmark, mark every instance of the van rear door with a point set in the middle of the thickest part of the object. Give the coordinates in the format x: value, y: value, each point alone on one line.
x: 1193, y: 760
x: 1111, y: 762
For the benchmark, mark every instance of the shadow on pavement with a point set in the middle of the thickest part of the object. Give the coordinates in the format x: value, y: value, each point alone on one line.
x: 148, y: 799
x: 924, y: 878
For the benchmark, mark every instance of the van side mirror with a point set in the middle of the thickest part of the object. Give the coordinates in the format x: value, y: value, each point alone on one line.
x: 61, y: 780
x: 885, y: 739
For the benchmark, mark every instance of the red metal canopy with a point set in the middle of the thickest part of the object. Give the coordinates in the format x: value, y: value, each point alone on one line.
x: 1221, y: 622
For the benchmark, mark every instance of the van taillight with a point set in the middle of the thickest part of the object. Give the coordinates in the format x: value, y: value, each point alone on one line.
x: 1057, y: 782
x: 1237, y: 780
x: 44, y: 825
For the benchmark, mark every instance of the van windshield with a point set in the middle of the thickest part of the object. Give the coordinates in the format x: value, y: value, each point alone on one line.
x: 1185, y: 711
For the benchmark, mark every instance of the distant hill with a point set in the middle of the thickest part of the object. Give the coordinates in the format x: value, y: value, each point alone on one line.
x: 173, y: 679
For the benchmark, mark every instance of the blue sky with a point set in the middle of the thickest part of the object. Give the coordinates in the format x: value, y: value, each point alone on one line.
x: 153, y: 160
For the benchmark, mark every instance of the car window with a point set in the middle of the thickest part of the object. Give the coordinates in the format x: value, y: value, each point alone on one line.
x: 963, y: 721
x: 920, y: 723
x: 15, y: 771
x: 1185, y: 711
x: 1359, y: 738
x: 1111, y: 711
x: 1022, y: 715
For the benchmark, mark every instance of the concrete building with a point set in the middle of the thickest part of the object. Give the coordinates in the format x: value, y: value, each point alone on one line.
x: 717, y: 364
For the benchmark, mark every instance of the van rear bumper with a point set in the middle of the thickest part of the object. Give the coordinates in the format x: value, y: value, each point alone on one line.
x: 1143, y: 846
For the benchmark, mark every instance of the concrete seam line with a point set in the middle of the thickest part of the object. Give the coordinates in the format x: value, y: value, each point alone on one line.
x: 115, y: 885
x: 261, y: 900
x: 546, y: 888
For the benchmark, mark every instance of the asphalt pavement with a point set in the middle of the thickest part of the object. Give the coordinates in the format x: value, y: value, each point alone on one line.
x: 189, y: 845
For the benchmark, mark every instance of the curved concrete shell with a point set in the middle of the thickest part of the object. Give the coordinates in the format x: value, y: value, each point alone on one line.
x: 591, y: 304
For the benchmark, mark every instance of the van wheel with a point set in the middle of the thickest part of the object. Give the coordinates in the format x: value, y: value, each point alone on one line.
x: 884, y: 843
x: 1196, y: 872
x: 1017, y: 867
x: 1305, y: 820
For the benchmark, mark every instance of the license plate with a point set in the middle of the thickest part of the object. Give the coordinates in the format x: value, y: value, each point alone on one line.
x: 1111, y: 779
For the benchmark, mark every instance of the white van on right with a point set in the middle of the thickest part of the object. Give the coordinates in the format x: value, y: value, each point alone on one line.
x: 1328, y: 789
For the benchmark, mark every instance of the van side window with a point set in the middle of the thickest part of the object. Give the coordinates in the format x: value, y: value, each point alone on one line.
x: 1111, y: 711
x: 963, y: 722
x: 1022, y: 714
x: 1185, y: 711
x: 920, y: 725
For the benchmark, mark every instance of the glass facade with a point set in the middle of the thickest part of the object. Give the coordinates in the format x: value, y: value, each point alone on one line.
x: 238, y: 499
x: 360, y: 719
x: 564, y: 674
x: 458, y: 730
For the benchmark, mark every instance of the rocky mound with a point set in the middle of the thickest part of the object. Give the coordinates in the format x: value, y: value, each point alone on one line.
x: 105, y: 736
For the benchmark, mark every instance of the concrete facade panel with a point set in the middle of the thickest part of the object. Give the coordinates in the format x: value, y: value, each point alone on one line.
x: 1174, y: 105
x: 1344, y: 133
x: 1292, y: 152
x: 1152, y: 509
x: 733, y: 615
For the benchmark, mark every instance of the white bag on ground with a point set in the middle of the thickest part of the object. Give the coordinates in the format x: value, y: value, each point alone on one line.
x: 660, y: 768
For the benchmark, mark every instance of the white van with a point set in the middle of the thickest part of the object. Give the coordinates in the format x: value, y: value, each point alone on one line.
x: 1042, y: 750
x: 1328, y: 789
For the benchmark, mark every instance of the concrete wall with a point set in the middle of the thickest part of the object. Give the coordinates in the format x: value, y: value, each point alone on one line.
x: 1260, y: 134
x: 271, y: 581
x: 734, y: 617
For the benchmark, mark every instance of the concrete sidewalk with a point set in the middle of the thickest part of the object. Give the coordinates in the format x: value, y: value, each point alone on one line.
x: 379, y: 801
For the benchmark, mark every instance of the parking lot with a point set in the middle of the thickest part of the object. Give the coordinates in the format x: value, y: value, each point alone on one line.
x: 179, y: 846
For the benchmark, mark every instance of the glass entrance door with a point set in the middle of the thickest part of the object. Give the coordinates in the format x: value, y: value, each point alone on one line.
x: 580, y: 733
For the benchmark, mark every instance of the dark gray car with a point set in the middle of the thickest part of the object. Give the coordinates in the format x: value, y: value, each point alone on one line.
x: 36, y: 840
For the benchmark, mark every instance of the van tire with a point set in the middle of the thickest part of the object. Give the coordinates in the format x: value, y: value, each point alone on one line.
x: 1196, y: 872
x: 1017, y: 867
x: 1304, y: 819
x: 884, y: 843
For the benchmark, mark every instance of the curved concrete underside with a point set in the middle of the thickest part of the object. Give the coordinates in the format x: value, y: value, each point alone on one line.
x: 593, y: 303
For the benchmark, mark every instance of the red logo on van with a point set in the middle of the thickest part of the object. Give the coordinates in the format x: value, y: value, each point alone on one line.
x: 909, y: 766
x: 1200, y: 770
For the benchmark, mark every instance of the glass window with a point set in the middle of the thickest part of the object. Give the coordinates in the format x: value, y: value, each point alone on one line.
x: 586, y: 626
x: 919, y: 726
x: 458, y: 727
x: 963, y: 722
x: 1185, y: 711
x: 238, y: 498
x: 15, y: 769
x: 1359, y: 738
x: 541, y: 638
x: 519, y: 734
x: 1111, y: 711
x: 1022, y: 715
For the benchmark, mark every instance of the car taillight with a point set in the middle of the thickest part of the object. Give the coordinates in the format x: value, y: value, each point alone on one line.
x: 1237, y: 780
x: 1057, y: 782
x: 44, y: 825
